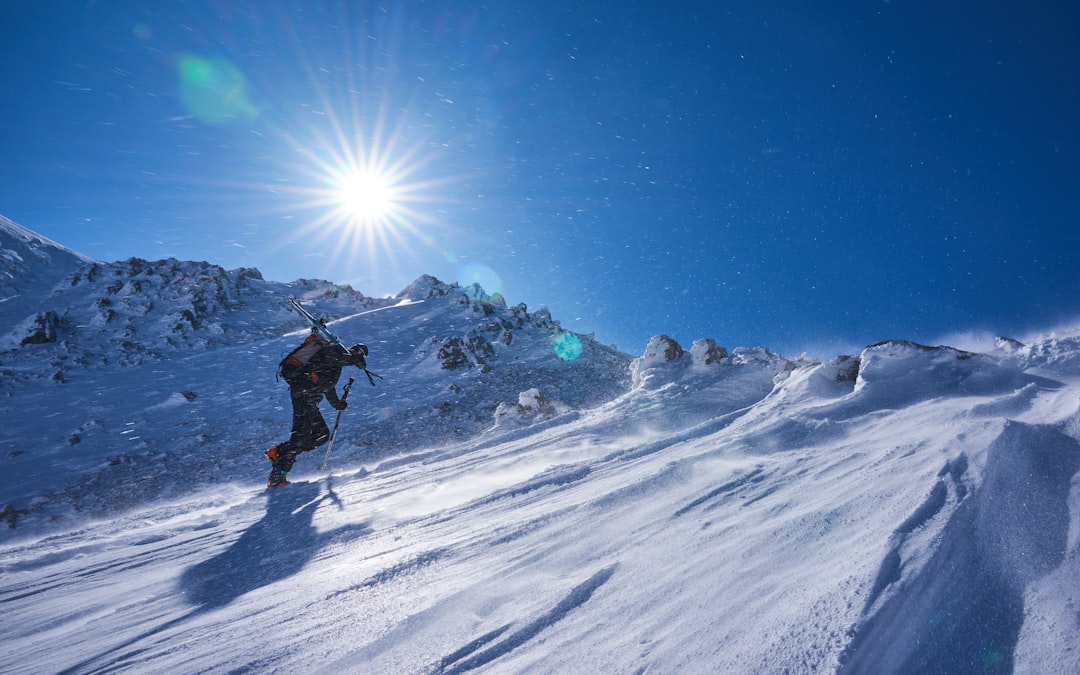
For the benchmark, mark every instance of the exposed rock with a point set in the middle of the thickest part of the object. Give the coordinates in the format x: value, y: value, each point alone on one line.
x: 452, y: 353
x: 705, y: 352
x: 662, y: 348
x: 1008, y: 344
x: 846, y: 368
x: 426, y: 287
x: 531, y: 407
x: 39, y: 329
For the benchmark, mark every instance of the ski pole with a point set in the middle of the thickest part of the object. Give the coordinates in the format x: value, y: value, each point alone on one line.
x: 330, y: 443
x: 370, y: 375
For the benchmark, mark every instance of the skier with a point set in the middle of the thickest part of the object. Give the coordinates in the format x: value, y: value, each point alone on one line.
x: 312, y: 371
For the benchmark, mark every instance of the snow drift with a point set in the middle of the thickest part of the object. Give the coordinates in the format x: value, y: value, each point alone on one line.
x: 496, y: 506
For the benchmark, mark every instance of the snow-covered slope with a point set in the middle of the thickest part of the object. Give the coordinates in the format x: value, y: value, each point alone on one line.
x: 494, y: 507
x: 156, y: 376
x: 28, y: 264
x: 29, y: 260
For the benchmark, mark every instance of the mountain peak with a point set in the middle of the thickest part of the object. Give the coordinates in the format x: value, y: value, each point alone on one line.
x: 425, y: 287
x: 29, y: 260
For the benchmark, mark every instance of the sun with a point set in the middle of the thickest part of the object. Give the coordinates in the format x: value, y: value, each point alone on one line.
x: 365, y: 196
x: 366, y: 201
x: 363, y: 191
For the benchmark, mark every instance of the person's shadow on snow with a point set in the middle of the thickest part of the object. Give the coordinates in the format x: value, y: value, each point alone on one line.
x: 275, y: 548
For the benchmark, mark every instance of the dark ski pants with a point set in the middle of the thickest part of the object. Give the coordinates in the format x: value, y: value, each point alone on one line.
x: 309, y: 429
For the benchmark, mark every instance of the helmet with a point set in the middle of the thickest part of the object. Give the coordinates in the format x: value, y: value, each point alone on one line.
x: 359, y: 349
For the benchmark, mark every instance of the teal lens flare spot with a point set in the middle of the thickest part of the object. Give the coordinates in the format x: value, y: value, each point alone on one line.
x: 480, y: 282
x: 214, y: 90
x: 568, y: 346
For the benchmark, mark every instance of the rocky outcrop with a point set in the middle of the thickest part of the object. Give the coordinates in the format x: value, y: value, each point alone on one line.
x: 662, y: 349
x: 705, y: 352
x: 42, y: 328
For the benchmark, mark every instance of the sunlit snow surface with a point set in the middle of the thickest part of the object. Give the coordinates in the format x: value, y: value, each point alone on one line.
x: 906, y: 510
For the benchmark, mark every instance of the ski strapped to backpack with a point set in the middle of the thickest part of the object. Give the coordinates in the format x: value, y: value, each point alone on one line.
x: 320, y: 330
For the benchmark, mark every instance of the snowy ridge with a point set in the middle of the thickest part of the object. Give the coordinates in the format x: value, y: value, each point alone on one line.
x: 496, y: 508
x: 168, y: 356
x: 133, y: 311
x: 29, y: 260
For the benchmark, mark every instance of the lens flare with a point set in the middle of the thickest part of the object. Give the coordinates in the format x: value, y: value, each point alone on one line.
x: 568, y: 346
x: 992, y: 658
x: 486, y: 285
x: 214, y: 90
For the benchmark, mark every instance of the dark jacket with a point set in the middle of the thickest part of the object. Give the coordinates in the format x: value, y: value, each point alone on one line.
x: 317, y: 374
x: 324, y: 371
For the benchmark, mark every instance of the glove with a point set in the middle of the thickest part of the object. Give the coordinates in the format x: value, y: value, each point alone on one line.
x: 357, y: 353
x: 340, y: 405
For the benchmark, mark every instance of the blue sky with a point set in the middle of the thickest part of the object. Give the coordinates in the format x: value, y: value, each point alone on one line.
x: 783, y: 174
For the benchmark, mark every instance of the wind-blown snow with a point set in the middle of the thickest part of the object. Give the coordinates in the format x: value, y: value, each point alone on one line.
x: 492, y: 507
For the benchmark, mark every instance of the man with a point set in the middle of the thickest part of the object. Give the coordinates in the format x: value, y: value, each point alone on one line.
x: 312, y: 371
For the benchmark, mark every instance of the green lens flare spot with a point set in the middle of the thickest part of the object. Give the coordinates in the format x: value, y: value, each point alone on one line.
x: 214, y: 90
x: 480, y: 282
x: 568, y: 346
x: 991, y: 658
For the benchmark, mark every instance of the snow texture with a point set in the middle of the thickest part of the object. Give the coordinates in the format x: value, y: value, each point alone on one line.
x: 493, y: 506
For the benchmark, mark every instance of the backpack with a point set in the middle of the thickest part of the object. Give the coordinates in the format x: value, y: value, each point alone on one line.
x: 294, y: 368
